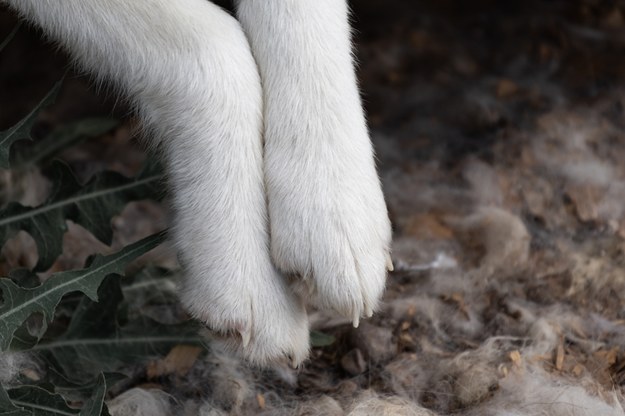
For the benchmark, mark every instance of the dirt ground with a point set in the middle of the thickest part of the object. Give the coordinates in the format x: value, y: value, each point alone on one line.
x: 500, y: 133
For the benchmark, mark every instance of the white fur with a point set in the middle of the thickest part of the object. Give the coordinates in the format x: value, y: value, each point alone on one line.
x: 328, y: 217
x: 188, y: 68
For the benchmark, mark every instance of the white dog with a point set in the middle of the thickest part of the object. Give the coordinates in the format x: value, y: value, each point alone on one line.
x: 261, y: 126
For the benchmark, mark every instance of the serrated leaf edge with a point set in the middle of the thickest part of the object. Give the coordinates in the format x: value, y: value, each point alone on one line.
x: 69, y: 282
x: 45, y: 208
x: 10, y: 36
x: 47, y: 99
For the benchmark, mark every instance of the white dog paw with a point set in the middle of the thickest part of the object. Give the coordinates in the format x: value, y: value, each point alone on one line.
x: 328, y: 218
x: 329, y: 226
x: 262, y: 321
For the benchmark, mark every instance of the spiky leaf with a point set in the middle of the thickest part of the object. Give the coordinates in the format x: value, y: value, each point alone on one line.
x: 95, y: 405
x: 19, y: 303
x: 91, y: 206
x: 22, y: 129
x: 6, y: 40
x: 7, y: 408
x: 60, y: 139
x: 74, y: 391
x: 83, y: 355
x: 35, y: 401
x: 95, y: 342
x: 31, y: 400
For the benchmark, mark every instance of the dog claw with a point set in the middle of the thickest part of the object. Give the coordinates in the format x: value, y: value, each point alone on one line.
x: 245, y: 337
x: 389, y: 263
x: 356, y: 318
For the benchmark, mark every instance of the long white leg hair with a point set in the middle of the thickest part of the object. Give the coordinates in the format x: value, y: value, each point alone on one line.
x: 328, y: 217
x: 187, y: 67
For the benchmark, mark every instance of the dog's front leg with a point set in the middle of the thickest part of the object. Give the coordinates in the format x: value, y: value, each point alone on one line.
x: 187, y: 67
x: 328, y: 219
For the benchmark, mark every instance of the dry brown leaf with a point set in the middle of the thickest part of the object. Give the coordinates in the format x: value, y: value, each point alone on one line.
x: 31, y: 374
x: 621, y: 228
x: 545, y: 52
x: 607, y: 356
x: 506, y: 88
x: 578, y: 369
x: 458, y: 300
x: 179, y: 361
x: 559, y: 361
x: 585, y: 198
x: 406, y: 341
x: 540, y: 358
x: 428, y: 226
x: 614, y: 19
x: 260, y: 399
x: 515, y: 357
